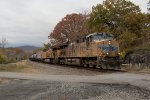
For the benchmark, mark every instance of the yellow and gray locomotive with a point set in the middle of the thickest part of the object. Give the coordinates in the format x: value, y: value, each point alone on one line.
x: 99, y: 50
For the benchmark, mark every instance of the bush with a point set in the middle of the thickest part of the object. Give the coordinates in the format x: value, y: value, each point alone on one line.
x: 3, y: 59
x: 12, y: 67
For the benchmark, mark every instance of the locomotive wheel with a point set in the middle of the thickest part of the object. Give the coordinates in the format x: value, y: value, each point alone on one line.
x: 91, y: 65
x: 86, y: 65
x: 104, y: 66
x: 117, y: 67
x: 94, y: 66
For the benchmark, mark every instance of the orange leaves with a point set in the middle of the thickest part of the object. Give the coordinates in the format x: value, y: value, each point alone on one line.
x: 70, y: 27
x: 17, y: 50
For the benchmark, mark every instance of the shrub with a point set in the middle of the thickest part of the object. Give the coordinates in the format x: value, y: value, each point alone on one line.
x: 3, y: 59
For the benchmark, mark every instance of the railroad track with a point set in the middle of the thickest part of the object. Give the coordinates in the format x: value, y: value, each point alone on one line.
x: 77, y: 67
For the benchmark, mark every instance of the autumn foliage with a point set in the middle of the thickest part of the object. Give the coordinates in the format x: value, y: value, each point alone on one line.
x: 69, y: 28
x: 11, y: 55
x: 121, y: 18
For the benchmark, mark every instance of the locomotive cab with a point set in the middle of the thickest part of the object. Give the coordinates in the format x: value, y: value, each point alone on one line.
x: 105, y: 47
x: 102, y: 36
x: 105, y: 43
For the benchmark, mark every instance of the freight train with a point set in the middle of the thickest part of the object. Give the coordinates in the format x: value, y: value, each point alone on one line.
x: 97, y: 50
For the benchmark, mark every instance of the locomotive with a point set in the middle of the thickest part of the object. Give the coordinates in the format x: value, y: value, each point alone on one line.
x: 97, y: 50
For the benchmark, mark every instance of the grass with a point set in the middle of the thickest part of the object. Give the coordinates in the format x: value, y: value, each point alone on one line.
x: 2, y: 81
x: 21, y: 66
x: 11, y: 67
x: 130, y: 68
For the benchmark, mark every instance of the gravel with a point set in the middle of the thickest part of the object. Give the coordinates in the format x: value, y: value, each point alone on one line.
x: 54, y: 82
x: 46, y: 90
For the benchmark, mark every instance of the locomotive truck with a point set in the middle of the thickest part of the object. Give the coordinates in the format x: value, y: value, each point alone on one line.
x: 97, y: 50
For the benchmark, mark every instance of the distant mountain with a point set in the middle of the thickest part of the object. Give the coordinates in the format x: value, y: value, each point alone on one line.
x: 28, y: 48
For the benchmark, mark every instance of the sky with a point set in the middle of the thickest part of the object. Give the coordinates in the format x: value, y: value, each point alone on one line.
x: 29, y: 22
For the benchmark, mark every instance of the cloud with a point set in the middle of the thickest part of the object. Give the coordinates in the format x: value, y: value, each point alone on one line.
x: 29, y: 22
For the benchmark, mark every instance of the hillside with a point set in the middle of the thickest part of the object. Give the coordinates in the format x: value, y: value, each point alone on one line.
x: 28, y: 48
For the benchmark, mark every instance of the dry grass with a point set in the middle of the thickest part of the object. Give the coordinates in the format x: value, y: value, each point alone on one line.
x: 21, y: 66
x: 3, y: 81
x: 145, y: 70
x: 130, y: 68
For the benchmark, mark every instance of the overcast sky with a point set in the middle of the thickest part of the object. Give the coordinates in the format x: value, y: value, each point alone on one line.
x: 29, y: 22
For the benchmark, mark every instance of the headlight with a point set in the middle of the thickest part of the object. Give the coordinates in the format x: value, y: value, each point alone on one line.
x: 109, y: 42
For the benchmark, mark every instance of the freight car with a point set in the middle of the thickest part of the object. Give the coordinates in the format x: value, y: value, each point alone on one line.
x: 97, y: 50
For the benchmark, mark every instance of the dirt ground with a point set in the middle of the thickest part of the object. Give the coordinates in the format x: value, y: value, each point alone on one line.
x: 44, y: 90
x: 1, y: 81
x: 54, y: 82
x: 4, y: 80
x: 21, y: 66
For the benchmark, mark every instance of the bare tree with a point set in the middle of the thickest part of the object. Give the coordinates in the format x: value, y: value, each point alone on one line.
x: 0, y: 45
x: 148, y: 6
x: 3, y: 42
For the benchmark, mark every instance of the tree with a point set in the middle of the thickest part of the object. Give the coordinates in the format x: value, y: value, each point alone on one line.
x: 46, y: 46
x: 108, y: 17
x: 3, y: 43
x: 134, y: 23
x: 148, y: 6
x: 2, y: 59
x: 126, y: 40
x: 121, y: 18
x: 70, y: 27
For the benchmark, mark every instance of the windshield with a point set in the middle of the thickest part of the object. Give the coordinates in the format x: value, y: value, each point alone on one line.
x: 107, y: 48
x: 102, y: 36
